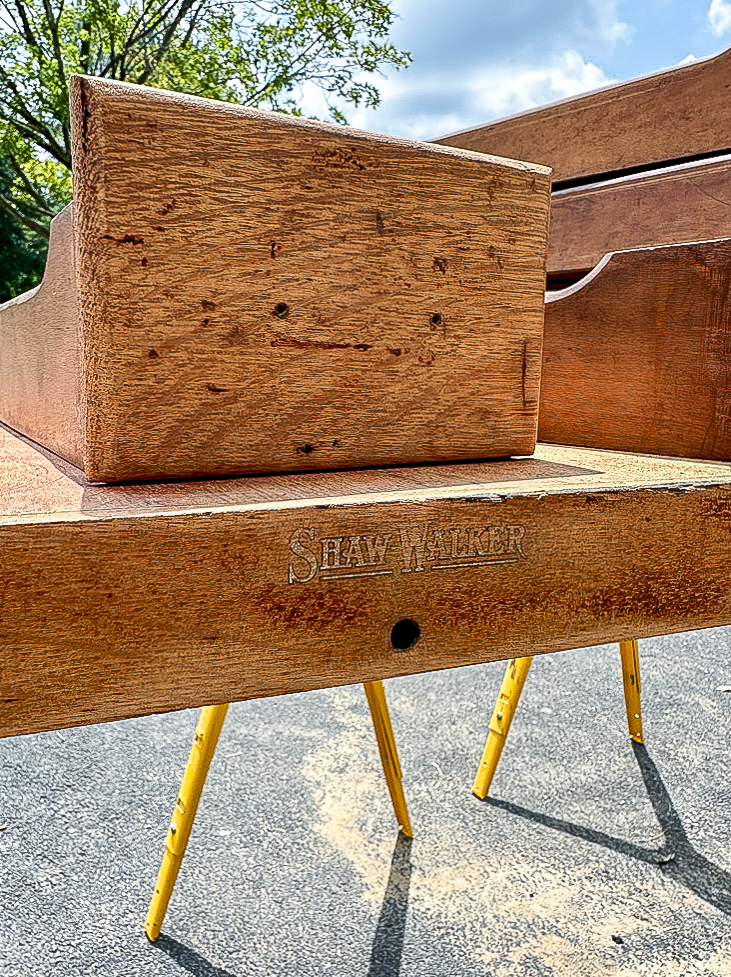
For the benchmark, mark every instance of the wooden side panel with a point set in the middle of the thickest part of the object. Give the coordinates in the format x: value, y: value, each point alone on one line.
x: 637, y: 357
x: 112, y: 618
x: 670, y: 115
x: 261, y: 293
x: 670, y: 206
x: 40, y: 358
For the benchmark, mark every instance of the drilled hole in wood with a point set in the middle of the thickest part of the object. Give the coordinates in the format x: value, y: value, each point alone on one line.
x: 405, y: 634
x: 281, y: 310
x: 436, y: 319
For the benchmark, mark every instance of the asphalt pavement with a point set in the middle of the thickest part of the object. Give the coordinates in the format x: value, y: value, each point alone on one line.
x: 591, y: 857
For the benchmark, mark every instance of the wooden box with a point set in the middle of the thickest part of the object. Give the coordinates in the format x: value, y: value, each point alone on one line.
x: 241, y: 291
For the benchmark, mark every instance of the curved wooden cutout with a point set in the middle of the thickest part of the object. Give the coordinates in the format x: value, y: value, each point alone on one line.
x: 669, y: 115
x: 40, y: 358
x: 637, y: 356
x: 666, y: 206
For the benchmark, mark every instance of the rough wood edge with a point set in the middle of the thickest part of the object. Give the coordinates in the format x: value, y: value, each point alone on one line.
x: 83, y: 88
x: 524, y: 129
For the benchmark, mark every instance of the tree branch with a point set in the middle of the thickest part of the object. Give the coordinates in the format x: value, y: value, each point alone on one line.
x: 28, y: 34
x: 33, y: 225
x: 30, y: 189
x: 53, y: 25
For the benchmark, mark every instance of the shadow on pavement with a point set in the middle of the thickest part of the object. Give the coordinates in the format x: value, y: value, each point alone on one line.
x: 188, y: 959
x: 388, y: 943
x: 677, y: 858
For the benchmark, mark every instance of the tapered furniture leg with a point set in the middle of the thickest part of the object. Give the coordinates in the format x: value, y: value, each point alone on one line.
x: 206, y: 736
x: 502, y: 717
x: 201, y: 753
x: 387, y: 748
x: 632, y: 688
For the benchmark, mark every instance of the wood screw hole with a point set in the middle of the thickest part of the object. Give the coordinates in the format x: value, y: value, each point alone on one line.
x: 405, y: 634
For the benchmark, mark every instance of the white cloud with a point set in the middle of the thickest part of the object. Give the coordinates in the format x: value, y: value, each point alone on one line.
x: 500, y: 90
x: 719, y: 16
x: 607, y: 24
x: 432, y: 105
x: 476, y: 61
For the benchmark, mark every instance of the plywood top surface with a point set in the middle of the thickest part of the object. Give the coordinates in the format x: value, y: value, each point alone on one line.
x: 36, y: 486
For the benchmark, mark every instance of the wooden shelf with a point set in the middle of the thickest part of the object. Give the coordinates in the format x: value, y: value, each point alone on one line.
x: 131, y: 599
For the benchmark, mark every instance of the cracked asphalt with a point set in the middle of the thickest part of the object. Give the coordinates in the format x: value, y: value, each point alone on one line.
x: 591, y: 857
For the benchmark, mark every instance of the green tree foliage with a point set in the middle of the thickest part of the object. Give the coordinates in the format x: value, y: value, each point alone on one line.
x: 256, y: 52
x: 22, y: 254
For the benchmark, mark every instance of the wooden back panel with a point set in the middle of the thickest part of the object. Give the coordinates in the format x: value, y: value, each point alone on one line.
x: 262, y: 293
x: 670, y: 115
x: 637, y: 356
x: 666, y: 206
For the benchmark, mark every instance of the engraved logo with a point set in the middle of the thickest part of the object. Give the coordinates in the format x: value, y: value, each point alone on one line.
x: 413, y: 549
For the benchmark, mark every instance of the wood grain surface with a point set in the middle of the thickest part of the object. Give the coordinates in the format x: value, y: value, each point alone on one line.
x: 263, y: 293
x: 114, y: 608
x: 637, y: 357
x: 40, y: 354
x: 674, y: 205
x: 670, y: 115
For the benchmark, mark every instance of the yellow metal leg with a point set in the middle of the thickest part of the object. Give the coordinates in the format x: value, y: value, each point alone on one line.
x: 502, y: 717
x: 632, y: 688
x: 206, y: 736
x: 376, y: 696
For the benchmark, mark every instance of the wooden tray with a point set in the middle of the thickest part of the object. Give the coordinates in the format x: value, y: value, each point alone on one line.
x: 637, y: 355
x: 260, y: 293
x: 671, y: 205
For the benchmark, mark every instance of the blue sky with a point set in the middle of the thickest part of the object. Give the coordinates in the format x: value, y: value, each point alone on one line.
x: 476, y: 60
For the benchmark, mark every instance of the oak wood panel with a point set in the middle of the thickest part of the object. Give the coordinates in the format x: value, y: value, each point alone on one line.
x: 265, y: 293
x: 115, y: 610
x: 637, y: 356
x: 40, y: 356
x: 675, y: 205
x: 669, y: 115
